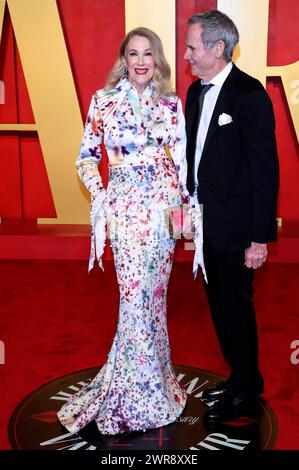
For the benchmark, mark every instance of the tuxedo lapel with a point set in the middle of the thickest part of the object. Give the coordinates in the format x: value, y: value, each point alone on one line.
x: 223, y: 105
x: 193, y: 109
x: 191, y: 130
x: 220, y: 105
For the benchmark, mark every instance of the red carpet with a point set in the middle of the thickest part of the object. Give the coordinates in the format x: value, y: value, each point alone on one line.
x: 56, y: 319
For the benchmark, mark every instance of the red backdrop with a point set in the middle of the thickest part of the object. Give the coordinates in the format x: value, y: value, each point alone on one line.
x: 93, y: 32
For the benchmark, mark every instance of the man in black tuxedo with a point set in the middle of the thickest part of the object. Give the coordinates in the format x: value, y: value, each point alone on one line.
x: 233, y: 170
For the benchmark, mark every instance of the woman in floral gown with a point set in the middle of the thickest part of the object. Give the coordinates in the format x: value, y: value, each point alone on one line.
x: 141, y: 124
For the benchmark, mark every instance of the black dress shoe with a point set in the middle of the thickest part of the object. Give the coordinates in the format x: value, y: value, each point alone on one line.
x: 215, y: 393
x: 231, y: 408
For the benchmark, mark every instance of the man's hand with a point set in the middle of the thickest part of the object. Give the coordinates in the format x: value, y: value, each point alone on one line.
x: 256, y: 255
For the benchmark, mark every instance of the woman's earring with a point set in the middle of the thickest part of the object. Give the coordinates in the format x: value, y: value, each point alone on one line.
x: 126, y: 70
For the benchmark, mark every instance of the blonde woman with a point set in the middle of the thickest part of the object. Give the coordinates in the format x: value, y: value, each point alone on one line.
x: 141, y: 124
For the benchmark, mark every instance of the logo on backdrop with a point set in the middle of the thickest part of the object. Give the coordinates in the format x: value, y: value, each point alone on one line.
x: 2, y: 352
x: 294, y: 358
x: 34, y: 424
x: 2, y: 92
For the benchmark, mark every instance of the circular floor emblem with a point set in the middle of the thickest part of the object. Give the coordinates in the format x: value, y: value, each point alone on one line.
x: 34, y: 425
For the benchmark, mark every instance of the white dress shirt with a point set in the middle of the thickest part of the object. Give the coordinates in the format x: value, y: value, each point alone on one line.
x: 207, y: 111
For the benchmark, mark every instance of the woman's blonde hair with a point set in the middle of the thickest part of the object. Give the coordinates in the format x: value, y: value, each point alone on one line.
x: 162, y: 72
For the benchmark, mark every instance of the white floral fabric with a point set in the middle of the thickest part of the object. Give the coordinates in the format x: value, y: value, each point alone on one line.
x: 136, y: 389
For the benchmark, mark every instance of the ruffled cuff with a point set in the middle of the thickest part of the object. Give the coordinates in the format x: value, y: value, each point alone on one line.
x: 98, y: 230
x: 198, y: 238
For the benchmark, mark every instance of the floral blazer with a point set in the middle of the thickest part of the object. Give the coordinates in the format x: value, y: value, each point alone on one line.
x: 99, y: 127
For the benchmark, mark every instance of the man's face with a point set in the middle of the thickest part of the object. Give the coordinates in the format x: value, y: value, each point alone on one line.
x: 203, y: 62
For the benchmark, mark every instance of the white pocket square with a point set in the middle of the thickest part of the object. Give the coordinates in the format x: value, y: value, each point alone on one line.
x: 224, y: 119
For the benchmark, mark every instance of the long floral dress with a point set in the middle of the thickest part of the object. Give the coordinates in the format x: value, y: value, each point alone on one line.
x: 136, y: 389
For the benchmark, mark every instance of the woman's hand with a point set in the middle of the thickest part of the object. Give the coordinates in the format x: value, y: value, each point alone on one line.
x: 188, y: 223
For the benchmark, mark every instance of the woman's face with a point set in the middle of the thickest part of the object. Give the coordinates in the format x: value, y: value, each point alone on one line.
x: 140, y: 62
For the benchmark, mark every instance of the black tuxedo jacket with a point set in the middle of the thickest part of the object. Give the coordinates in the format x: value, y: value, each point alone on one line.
x: 238, y: 171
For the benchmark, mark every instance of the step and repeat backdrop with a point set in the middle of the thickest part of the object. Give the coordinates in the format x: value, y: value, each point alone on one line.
x: 55, y: 53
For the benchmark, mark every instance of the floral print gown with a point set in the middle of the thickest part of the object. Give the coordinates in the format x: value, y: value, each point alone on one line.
x: 136, y: 389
